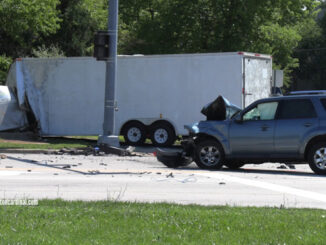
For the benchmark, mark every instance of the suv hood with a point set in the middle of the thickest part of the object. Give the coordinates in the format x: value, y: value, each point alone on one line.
x: 219, y: 110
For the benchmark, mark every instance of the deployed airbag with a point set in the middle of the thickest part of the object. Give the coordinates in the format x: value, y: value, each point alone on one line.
x: 219, y: 110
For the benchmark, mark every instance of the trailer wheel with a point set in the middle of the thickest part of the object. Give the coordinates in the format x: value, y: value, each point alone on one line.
x: 162, y: 134
x: 134, y: 133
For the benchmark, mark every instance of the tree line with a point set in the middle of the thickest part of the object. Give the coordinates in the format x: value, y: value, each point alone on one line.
x: 292, y: 31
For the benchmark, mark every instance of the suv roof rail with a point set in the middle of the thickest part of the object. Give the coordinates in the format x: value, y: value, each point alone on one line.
x: 307, y: 92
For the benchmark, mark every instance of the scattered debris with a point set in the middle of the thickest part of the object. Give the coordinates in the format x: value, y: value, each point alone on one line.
x: 291, y: 166
x: 9, y: 166
x: 222, y: 183
x: 29, y: 170
x: 170, y: 175
x: 66, y: 166
x: 286, y: 166
x: 114, y: 150
x: 103, y: 164
x: 282, y: 166
x: 158, y: 173
x: 75, y: 165
x: 55, y: 174
x: 2, y: 156
x: 96, y: 151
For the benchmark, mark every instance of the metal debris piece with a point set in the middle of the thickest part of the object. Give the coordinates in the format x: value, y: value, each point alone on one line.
x: 131, y: 149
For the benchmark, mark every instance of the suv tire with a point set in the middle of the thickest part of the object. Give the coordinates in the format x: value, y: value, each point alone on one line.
x: 317, y: 158
x: 209, y: 154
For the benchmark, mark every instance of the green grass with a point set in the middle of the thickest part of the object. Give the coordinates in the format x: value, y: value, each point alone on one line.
x: 60, y: 222
x: 55, y: 143
x: 50, y: 143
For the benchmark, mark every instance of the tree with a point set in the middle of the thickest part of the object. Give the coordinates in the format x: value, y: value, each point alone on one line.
x: 178, y: 26
x: 23, y: 24
x: 80, y: 20
x: 311, y: 54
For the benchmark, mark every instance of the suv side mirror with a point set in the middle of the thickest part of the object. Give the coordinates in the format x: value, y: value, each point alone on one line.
x: 238, y: 119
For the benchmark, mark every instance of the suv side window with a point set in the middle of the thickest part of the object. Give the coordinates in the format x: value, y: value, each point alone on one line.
x: 323, y: 102
x: 263, y: 111
x: 294, y: 109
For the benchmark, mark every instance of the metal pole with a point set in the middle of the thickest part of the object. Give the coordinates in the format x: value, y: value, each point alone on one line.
x: 111, y: 77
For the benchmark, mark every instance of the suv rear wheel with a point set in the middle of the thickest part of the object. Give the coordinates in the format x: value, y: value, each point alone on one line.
x: 209, y: 154
x: 317, y: 158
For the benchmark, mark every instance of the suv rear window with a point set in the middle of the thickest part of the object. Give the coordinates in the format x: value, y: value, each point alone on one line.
x: 292, y: 109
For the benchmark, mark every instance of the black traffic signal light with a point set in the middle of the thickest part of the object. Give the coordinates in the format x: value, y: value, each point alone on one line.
x: 101, y: 45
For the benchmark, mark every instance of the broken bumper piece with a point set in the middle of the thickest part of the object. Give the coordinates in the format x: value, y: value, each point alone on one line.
x: 172, y: 159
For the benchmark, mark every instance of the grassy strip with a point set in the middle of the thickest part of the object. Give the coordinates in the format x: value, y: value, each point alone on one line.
x: 51, y: 143
x: 60, y: 222
x: 54, y: 143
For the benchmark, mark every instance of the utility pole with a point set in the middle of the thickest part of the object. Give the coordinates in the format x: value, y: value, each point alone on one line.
x: 110, y: 104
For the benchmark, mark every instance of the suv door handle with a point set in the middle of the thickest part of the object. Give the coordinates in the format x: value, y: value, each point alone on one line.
x: 264, y: 127
x: 307, y: 125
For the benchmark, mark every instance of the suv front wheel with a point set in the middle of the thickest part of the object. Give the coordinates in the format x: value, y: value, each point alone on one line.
x: 317, y: 158
x: 209, y: 154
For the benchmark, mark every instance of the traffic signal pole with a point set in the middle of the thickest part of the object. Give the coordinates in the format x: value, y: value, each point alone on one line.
x: 110, y: 104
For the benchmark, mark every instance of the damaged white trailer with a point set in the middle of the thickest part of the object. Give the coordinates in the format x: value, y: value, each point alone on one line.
x: 156, y: 95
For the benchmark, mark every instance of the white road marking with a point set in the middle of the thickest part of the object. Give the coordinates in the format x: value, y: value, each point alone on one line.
x: 268, y: 186
x: 10, y: 173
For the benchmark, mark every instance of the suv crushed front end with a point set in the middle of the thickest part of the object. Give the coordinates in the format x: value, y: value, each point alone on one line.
x: 218, y: 114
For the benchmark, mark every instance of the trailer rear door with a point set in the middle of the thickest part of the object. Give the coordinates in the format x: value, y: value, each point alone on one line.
x: 257, y: 79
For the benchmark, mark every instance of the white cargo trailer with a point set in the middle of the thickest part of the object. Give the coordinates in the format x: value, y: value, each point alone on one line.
x: 156, y: 95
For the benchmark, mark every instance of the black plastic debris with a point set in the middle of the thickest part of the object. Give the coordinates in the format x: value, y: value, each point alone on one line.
x: 172, y: 159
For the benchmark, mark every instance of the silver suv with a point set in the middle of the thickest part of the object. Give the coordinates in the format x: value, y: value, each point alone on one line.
x: 279, y: 129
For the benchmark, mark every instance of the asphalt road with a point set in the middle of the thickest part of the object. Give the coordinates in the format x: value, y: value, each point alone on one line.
x: 142, y: 178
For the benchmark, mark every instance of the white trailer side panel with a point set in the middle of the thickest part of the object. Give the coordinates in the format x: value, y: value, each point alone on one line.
x: 175, y: 86
x: 67, y: 94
